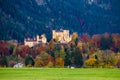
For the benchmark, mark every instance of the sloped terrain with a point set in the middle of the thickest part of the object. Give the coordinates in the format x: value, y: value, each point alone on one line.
x: 20, y: 19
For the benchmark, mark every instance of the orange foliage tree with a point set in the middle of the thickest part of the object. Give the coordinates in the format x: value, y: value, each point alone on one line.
x: 91, y: 62
x: 59, y: 62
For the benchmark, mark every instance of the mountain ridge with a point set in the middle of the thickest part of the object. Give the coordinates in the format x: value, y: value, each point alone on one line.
x: 21, y: 19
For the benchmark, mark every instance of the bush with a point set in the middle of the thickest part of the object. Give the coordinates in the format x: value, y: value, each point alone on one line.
x: 12, y: 63
x: 91, y: 63
x: 50, y: 64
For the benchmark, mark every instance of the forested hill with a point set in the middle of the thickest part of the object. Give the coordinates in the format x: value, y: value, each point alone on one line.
x: 27, y: 18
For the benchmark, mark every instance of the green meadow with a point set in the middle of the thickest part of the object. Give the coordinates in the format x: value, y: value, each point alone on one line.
x: 59, y: 74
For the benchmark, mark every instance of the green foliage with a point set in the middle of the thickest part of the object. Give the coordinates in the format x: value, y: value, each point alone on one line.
x: 78, y: 59
x: 29, y: 60
x: 3, y: 61
x: 106, y: 42
x: 106, y: 58
x: 62, y: 53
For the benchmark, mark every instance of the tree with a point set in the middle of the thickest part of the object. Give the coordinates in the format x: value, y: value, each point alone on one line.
x: 91, y: 62
x: 3, y: 61
x: 59, y: 62
x: 67, y: 57
x: 62, y: 53
x: 40, y: 49
x: 25, y: 50
x: 29, y: 61
x: 107, y: 58
x: 45, y: 57
x: 85, y: 38
x: 106, y: 41
x: 96, y: 41
x: 118, y: 60
x: 4, y: 50
x: 38, y: 62
x: 51, y: 44
x: 75, y: 38
x: 78, y: 59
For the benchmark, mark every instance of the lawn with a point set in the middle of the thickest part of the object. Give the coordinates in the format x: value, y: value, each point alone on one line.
x: 59, y: 74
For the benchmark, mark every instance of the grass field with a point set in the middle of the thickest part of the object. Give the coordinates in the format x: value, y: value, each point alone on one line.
x: 59, y: 74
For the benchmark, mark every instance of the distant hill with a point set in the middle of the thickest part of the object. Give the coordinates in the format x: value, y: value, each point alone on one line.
x: 27, y: 18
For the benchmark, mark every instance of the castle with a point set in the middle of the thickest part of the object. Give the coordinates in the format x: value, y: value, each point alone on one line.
x: 34, y: 41
x: 63, y: 36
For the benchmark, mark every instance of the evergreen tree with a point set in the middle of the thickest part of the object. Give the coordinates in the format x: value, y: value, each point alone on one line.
x: 78, y: 59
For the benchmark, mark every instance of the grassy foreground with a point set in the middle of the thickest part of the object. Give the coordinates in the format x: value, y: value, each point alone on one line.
x: 59, y: 74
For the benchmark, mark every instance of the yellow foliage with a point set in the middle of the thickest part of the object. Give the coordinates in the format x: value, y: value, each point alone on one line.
x: 59, y: 62
x: 92, y: 62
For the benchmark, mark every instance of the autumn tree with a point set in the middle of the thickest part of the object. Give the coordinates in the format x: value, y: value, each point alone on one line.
x: 40, y: 49
x: 22, y: 50
x: 38, y: 62
x: 106, y: 58
x: 106, y: 41
x: 74, y: 36
x: 91, y: 62
x: 45, y: 57
x: 25, y: 50
x: 32, y: 52
x: 59, y: 62
x: 51, y: 44
x: 4, y: 50
x: 118, y: 60
x: 96, y: 41
x: 85, y: 38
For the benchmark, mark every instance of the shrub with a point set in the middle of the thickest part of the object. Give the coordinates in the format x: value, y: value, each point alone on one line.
x: 91, y: 63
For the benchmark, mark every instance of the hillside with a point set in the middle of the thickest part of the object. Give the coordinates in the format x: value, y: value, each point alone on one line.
x: 27, y: 18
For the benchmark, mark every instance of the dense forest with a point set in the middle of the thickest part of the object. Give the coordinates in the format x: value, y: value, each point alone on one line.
x: 98, y: 51
x: 20, y: 19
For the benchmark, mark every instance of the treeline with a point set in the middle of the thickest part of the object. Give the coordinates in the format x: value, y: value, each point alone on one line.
x: 97, y: 51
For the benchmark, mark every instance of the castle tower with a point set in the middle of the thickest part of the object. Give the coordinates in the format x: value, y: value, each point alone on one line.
x: 53, y: 34
x: 37, y: 37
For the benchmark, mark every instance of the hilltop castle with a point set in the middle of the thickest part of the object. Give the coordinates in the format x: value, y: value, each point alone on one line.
x: 63, y: 36
x: 34, y: 41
